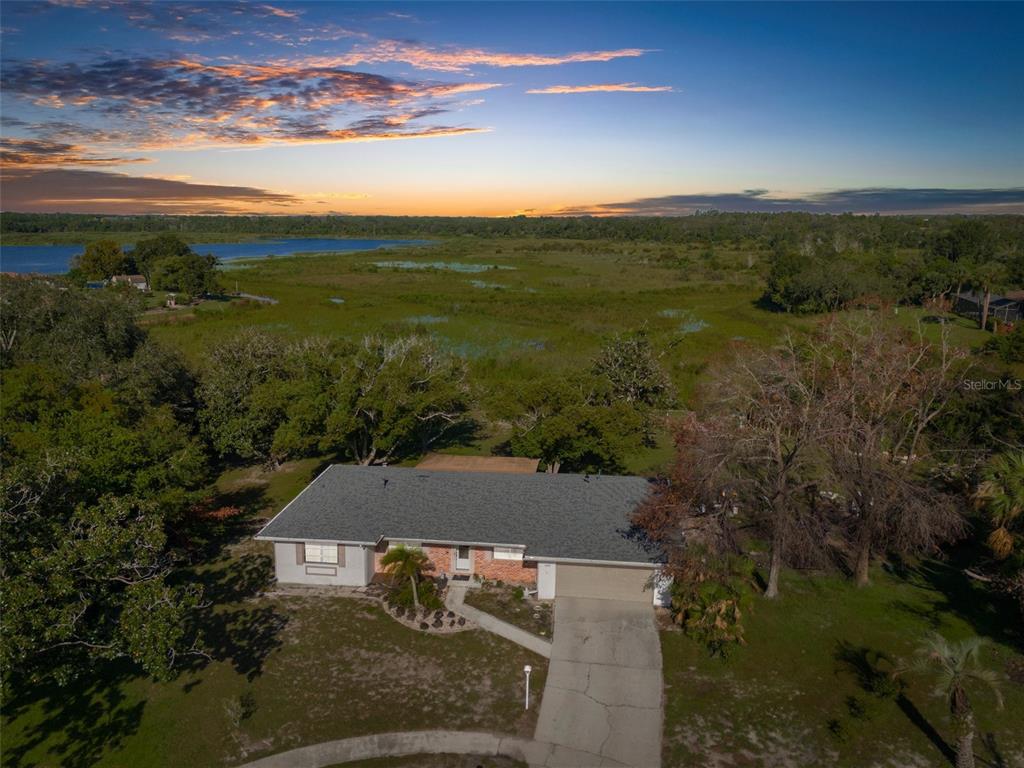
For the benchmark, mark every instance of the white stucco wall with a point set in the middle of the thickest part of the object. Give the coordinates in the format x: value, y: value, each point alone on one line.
x: 546, y: 581
x: 356, y: 572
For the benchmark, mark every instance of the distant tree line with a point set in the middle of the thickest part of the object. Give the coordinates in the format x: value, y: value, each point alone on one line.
x: 822, y: 274
x: 785, y: 231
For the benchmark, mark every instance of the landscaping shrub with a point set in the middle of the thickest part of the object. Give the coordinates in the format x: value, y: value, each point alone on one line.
x: 712, y: 611
x: 1009, y: 347
x: 401, y: 596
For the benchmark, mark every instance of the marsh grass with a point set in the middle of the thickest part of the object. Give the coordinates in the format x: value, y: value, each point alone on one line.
x: 558, y: 302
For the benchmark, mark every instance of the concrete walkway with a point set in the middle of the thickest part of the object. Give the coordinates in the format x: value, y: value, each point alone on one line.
x: 604, y: 692
x: 427, y: 743
x: 455, y: 601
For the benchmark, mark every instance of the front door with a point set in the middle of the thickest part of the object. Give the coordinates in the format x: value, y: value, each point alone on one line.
x: 462, y: 559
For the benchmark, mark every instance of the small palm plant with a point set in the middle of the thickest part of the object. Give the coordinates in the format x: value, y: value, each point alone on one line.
x: 406, y: 563
x: 955, y: 668
x: 1001, y: 494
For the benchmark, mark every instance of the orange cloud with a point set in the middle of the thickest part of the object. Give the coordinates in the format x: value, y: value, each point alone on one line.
x: 603, y: 88
x: 461, y: 59
x: 186, y: 102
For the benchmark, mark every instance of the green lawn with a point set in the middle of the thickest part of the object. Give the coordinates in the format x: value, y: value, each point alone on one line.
x: 264, y: 493
x: 809, y: 688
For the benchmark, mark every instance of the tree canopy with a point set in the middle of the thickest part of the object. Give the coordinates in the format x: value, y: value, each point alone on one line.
x: 103, y: 259
x: 98, y: 462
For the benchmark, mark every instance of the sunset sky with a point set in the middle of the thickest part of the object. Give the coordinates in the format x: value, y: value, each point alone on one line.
x: 497, y: 109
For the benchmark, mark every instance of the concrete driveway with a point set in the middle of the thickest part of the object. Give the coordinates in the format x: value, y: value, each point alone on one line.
x: 603, y: 692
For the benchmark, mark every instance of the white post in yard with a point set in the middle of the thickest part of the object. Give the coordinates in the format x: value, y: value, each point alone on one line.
x: 527, y: 669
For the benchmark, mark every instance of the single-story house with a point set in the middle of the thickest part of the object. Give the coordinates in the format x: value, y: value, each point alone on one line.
x: 1001, y: 308
x: 561, y: 534
x: 135, y: 281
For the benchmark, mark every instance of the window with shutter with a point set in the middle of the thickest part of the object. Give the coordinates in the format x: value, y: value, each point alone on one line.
x: 322, y: 553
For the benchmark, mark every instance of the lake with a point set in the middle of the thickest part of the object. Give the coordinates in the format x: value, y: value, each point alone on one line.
x: 55, y: 259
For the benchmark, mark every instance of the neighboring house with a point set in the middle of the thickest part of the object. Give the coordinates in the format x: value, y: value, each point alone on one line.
x: 135, y: 281
x: 95, y: 285
x: 558, y: 533
x: 1002, y: 308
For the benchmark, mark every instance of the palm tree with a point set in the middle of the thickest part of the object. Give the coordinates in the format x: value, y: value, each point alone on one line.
x: 955, y: 668
x: 406, y: 563
x: 988, y: 277
x: 1001, y: 494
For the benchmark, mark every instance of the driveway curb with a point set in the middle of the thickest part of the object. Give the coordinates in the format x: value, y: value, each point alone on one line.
x: 408, y: 743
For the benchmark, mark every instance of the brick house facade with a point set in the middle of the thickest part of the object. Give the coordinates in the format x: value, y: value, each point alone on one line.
x: 482, y: 563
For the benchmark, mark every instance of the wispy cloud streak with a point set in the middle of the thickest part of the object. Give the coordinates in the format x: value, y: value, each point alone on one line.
x: 885, y: 200
x: 40, y: 153
x: 90, y: 191
x: 456, y: 59
x: 603, y: 88
x: 197, y: 22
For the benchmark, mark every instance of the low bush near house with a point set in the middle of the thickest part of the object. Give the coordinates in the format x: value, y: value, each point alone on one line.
x: 712, y: 611
x: 401, y: 595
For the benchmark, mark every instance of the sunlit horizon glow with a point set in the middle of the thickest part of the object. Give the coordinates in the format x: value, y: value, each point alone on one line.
x: 609, y: 109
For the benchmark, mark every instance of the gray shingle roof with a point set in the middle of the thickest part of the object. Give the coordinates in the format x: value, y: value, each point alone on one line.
x: 558, y: 516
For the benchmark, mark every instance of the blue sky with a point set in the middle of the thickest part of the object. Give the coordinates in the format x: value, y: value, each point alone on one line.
x: 495, y: 109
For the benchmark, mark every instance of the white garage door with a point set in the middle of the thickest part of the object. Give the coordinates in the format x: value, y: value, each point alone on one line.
x: 603, y: 581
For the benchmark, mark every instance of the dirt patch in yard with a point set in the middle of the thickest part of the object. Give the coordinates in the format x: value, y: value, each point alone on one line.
x: 435, y: 622
x: 511, y: 605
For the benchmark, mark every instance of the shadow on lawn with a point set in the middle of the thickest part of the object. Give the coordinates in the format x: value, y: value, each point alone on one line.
x: 81, y: 721
x: 986, y: 610
x: 874, y: 672
x: 234, y: 628
x: 93, y: 715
